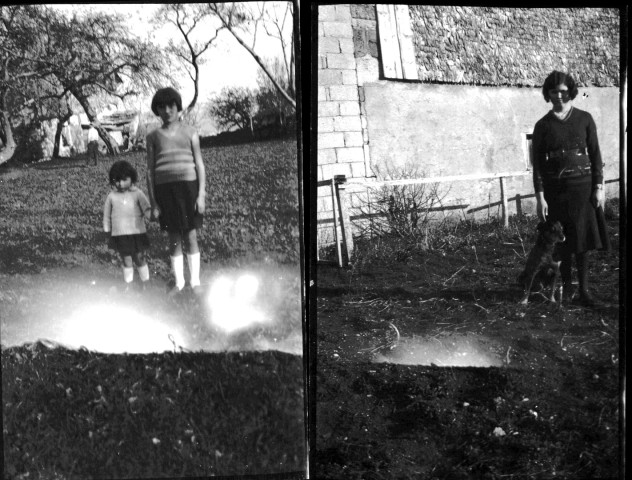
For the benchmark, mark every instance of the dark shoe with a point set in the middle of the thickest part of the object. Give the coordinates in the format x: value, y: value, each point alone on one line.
x: 587, y: 300
x: 568, y: 291
x: 198, y: 291
x: 174, y: 292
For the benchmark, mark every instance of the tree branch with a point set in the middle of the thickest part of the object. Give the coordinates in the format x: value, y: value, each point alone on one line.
x: 254, y: 55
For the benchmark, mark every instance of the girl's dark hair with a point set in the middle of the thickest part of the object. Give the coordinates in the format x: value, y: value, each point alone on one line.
x: 556, y: 78
x: 121, y: 170
x: 166, y: 96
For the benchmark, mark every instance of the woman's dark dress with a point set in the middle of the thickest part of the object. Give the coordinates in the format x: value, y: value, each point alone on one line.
x: 568, y: 178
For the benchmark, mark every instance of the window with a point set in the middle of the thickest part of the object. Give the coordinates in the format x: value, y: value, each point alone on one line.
x: 396, y: 42
x: 527, y: 146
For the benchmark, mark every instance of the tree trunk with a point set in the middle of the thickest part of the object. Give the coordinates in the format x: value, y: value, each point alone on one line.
x: 196, y: 87
x: 9, y: 142
x: 6, y: 152
x: 110, y: 143
x: 60, y: 128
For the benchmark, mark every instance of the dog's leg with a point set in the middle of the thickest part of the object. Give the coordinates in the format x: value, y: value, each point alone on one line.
x: 527, y: 290
x: 553, y: 288
x: 556, y: 278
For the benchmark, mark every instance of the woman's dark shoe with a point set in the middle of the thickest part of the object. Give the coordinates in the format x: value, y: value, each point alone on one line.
x: 587, y: 300
x: 174, y: 292
x: 568, y: 291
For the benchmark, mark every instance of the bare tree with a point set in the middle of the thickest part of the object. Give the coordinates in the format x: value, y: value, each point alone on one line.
x: 276, y: 20
x: 186, y: 17
x: 241, y: 22
x: 47, y: 56
x: 17, y: 35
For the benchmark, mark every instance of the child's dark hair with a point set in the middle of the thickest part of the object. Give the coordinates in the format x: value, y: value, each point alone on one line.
x: 556, y: 78
x: 121, y: 170
x: 166, y: 96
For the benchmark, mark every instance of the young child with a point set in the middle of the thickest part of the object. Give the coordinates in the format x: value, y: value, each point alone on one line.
x: 176, y: 184
x: 124, y: 214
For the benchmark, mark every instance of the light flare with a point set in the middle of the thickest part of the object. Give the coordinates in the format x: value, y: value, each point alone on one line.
x: 117, y: 329
x: 233, y: 303
x: 446, y: 351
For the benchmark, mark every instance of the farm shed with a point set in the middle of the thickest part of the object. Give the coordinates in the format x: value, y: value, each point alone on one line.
x: 39, y: 143
x: 442, y: 91
x: 118, y: 123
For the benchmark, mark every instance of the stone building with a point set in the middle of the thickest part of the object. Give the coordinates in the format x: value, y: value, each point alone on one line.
x: 443, y: 91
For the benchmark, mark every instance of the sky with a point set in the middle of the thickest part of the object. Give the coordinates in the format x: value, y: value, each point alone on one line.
x: 226, y: 63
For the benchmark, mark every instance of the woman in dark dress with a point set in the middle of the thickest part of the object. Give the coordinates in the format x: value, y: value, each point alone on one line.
x: 568, y: 179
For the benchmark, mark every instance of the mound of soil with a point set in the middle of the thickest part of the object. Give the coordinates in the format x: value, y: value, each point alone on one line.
x: 75, y: 414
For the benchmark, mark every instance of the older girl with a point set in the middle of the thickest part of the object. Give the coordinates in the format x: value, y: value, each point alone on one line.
x: 176, y: 183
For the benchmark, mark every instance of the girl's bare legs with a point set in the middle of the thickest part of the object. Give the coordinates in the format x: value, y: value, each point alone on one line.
x: 190, y: 239
x: 141, y: 265
x: 175, y: 243
x: 177, y: 260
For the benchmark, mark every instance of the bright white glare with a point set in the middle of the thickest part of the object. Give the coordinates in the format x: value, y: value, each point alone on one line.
x: 116, y: 329
x: 246, y: 288
x: 292, y: 344
x: 220, y: 290
x: 232, y: 303
x: 448, y: 351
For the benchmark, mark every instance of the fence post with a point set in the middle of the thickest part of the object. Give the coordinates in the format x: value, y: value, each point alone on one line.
x: 345, y: 222
x: 518, y: 205
x: 335, y: 211
x: 503, y: 202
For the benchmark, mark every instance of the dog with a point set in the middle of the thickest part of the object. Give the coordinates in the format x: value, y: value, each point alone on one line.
x: 541, y: 268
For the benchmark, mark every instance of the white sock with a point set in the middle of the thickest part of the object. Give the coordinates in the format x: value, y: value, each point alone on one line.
x: 143, y: 272
x: 193, y: 260
x: 177, y: 264
x: 128, y: 274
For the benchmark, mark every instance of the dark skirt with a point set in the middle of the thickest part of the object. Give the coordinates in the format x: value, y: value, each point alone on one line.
x: 584, y: 226
x: 128, y: 245
x: 177, y: 206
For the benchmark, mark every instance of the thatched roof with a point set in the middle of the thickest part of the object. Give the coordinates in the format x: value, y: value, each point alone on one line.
x: 515, y: 46
x: 118, y: 119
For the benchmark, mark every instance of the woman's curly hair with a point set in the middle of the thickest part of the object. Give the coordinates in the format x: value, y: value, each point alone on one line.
x: 166, y: 96
x: 556, y: 78
x: 122, y: 169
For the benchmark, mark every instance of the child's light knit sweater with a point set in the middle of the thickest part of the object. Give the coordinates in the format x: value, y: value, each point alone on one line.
x: 174, y: 156
x: 124, y: 212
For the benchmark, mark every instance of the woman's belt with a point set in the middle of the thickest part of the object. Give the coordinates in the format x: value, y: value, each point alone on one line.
x: 572, y: 163
x: 562, y: 153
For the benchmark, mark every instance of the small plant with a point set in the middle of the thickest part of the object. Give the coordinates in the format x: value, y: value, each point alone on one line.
x: 404, y: 211
x: 611, y: 209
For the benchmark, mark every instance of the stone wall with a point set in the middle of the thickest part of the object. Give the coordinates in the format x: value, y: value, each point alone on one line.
x: 515, y: 46
x: 446, y: 130
x: 342, y: 135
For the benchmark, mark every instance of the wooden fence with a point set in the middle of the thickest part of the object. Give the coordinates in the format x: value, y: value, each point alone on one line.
x: 339, y: 185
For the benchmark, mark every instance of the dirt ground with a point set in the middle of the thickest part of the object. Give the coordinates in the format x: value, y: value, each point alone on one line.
x: 428, y: 366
